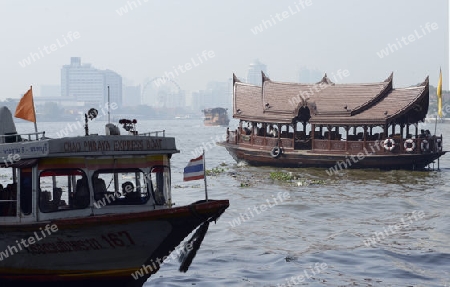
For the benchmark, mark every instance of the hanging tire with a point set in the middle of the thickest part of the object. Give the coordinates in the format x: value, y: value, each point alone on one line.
x: 276, y: 152
x: 409, y: 145
x: 389, y: 144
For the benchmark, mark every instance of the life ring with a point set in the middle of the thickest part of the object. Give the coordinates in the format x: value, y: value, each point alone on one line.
x: 276, y: 152
x: 424, y: 145
x: 439, y: 144
x: 389, y: 144
x: 409, y: 145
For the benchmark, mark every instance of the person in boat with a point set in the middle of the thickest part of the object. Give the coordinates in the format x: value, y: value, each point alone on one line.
x: 422, y: 133
x: 81, y: 195
x: 129, y: 191
x: 99, y: 187
x: 255, y: 129
x: 247, y: 129
x: 273, y: 131
x: 262, y: 130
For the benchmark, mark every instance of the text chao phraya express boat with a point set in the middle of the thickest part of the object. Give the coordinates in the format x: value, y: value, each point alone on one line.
x: 325, y: 124
x: 91, y: 209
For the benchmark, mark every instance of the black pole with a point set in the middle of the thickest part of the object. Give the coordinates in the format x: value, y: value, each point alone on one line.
x: 86, y: 128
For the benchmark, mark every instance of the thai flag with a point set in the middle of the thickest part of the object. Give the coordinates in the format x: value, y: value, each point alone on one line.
x: 195, y: 169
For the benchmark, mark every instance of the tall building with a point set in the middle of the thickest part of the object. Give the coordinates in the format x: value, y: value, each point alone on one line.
x: 87, y: 84
x: 254, y: 72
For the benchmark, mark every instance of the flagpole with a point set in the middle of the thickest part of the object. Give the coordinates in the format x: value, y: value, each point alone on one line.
x: 34, y: 111
x: 435, y: 124
x: 439, y: 99
x: 204, y: 176
x: 109, y: 108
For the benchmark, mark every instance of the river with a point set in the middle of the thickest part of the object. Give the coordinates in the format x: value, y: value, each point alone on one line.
x: 355, y: 228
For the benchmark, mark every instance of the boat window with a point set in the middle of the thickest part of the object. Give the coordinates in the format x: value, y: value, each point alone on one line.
x: 116, y: 187
x: 63, y: 190
x: 8, y: 192
x: 160, y: 184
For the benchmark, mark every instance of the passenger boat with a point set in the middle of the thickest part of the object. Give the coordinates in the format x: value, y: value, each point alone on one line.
x: 370, y: 125
x: 215, y: 117
x: 91, y: 209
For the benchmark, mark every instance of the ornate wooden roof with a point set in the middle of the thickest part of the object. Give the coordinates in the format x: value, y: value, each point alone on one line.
x: 329, y: 103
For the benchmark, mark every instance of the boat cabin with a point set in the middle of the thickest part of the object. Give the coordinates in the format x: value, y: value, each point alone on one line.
x: 43, y: 179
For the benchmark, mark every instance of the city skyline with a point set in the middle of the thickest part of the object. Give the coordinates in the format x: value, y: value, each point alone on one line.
x: 146, y: 39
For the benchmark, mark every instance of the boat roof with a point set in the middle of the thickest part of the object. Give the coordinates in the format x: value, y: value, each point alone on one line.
x: 17, y: 148
x: 91, y: 145
x: 215, y: 110
x: 375, y: 103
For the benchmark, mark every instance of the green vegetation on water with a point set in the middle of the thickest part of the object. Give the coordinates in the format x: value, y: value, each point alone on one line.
x: 291, y: 178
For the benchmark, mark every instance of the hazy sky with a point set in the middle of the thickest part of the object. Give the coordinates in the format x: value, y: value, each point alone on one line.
x: 153, y: 37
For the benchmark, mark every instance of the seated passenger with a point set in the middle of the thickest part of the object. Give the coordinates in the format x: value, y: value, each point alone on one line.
x: 127, y: 187
x: 255, y: 130
x: 99, y: 187
x: 56, y: 201
x: 81, y: 195
x: 273, y: 132
x: 129, y: 192
x: 422, y: 133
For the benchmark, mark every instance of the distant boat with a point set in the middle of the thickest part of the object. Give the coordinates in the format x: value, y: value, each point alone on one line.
x: 94, y: 209
x: 370, y: 125
x: 216, y: 117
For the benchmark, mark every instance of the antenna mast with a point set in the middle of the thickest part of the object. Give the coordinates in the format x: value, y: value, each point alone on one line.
x: 109, y: 108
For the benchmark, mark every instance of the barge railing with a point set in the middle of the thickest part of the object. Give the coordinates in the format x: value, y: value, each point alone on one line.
x: 409, y: 145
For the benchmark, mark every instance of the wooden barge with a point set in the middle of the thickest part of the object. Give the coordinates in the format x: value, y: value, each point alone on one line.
x: 370, y: 125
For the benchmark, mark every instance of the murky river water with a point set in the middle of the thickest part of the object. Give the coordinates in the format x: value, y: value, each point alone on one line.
x: 357, y: 228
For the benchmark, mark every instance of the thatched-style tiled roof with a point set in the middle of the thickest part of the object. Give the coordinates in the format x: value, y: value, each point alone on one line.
x: 330, y: 103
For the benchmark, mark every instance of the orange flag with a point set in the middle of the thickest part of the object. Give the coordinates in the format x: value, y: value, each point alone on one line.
x: 25, y: 108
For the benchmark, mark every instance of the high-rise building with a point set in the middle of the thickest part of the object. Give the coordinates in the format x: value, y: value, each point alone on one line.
x: 254, y: 72
x: 90, y: 85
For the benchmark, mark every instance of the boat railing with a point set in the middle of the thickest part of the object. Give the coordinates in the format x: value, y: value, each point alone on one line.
x: 154, y: 134
x: 412, y: 144
x: 385, y: 145
x: 15, y: 137
x: 352, y: 145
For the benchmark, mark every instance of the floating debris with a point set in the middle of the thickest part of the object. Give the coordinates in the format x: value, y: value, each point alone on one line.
x: 215, y: 171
